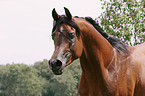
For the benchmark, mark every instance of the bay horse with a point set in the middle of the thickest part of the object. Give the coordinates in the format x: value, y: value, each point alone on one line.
x: 109, y: 68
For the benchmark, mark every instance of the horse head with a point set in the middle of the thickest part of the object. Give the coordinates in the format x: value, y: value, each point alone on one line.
x: 67, y: 41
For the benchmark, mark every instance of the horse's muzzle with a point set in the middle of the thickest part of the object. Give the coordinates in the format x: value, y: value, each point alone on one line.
x: 56, y: 66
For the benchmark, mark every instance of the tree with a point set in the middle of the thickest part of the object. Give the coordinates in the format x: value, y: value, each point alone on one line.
x: 125, y: 19
x: 67, y: 83
x: 44, y: 72
x: 20, y: 80
x: 64, y: 85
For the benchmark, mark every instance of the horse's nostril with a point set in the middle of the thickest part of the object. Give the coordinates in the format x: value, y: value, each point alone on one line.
x: 58, y: 64
x: 55, y: 64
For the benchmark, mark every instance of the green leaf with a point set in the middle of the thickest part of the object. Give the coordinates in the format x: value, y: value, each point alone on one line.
x: 125, y: 14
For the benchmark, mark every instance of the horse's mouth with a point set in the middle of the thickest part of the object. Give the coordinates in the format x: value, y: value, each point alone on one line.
x: 58, y: 72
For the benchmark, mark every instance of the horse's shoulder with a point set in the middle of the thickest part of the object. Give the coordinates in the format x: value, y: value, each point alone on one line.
x: 139, y: 49
x: 137, y: 55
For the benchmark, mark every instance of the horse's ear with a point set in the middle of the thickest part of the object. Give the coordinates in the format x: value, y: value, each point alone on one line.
x: 68, y: 14
x: 55, y: 15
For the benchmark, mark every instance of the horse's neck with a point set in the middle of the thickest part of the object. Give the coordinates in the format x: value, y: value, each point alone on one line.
x: 97, y: 54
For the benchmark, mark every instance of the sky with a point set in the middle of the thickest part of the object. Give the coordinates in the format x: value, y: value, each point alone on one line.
x: 26, y: 26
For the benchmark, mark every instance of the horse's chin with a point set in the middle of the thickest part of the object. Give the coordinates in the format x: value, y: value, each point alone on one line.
x: 59, y: 72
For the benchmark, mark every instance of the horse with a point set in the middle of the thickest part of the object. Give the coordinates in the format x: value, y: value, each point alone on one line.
x: 109, y: 67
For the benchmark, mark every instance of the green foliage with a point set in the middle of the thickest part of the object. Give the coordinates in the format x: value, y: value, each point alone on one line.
x: 43, y: 70
x: 67, y: 83
x: 124, y: 19
x: 20, y: 80
x: 64, y: 85
x: 38, y: 80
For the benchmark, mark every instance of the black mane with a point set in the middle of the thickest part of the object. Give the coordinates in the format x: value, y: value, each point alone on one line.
x: 116, y: 43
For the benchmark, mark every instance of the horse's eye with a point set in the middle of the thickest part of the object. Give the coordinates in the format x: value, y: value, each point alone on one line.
x: 70, y: 34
